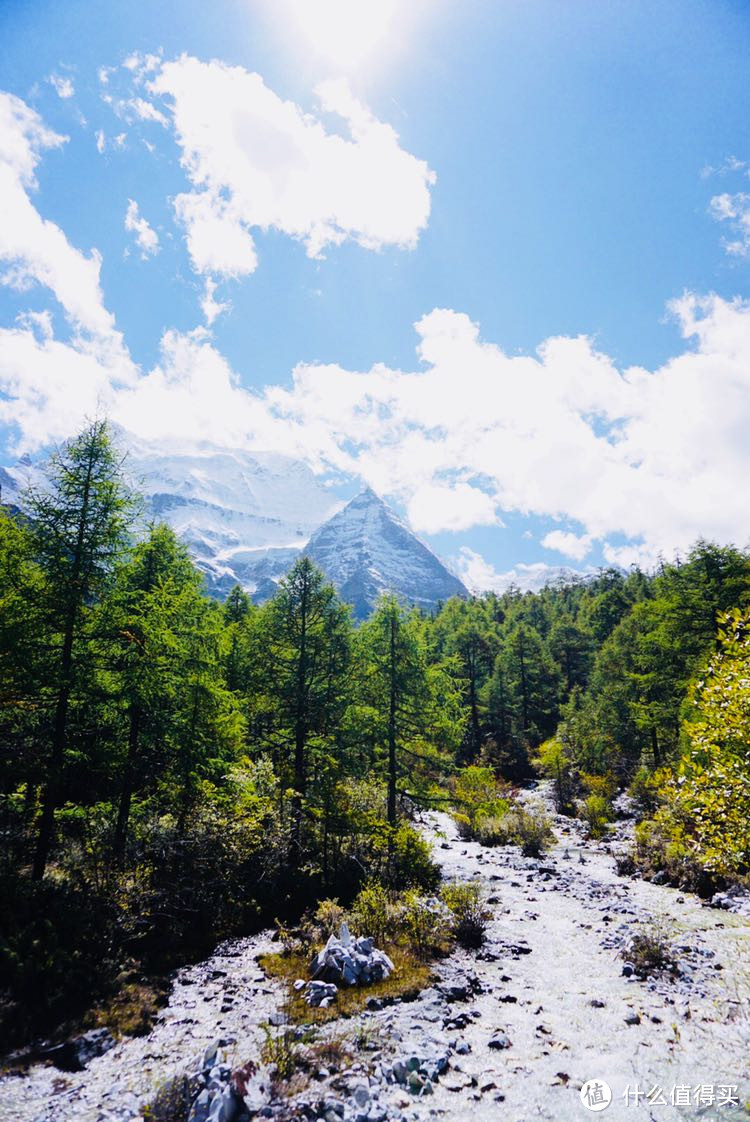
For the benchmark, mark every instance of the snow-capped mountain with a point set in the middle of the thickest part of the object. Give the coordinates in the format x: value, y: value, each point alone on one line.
x: 247, y: 516
x: 244, y: 516
x: 366, y: 549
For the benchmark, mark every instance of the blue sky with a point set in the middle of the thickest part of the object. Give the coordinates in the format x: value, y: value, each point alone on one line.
x: 501, y: 174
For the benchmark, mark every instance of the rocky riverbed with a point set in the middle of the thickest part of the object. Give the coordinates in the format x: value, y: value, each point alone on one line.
x: 512, y: 1031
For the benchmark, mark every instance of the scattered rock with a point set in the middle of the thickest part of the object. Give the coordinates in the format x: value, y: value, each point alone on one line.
x: 499, y: 1041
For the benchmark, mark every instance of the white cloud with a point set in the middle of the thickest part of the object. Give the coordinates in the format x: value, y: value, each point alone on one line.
x: 34, y: 249
x: 734, y: 209
x: 456, y: 506
x: 63, y: 86
x: 146, y: 110
x: 256, y: 162
x: 211, y: 307
x: 145, y: 235
x: 571, y: 545
x: 101, y: 141
x: 657, y: 457
x: 480, y: 576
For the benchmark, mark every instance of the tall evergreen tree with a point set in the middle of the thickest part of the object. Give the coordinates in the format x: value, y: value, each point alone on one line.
x: 79, y: 526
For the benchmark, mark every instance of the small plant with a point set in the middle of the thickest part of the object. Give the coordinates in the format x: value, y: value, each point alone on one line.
x: 327, y: 919
x: 596, y: 810
x: 279, y: 1051
x: 373, y: 915
x: 469, y: 911
x: 171, y: 1103
x: 426, y: 923
x: 649, y: 952
x: 553, y: 762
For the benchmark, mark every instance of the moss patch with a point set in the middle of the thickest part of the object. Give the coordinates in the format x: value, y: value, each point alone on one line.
x: 408, y: 979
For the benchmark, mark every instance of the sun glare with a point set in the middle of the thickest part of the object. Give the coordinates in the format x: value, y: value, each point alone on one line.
x: 343, y: 36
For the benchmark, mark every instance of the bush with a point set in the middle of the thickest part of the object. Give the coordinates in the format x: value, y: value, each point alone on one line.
x: 643, y: 790
x: 327, y: 920
x: 532, y: 831
x: 662, y: 845
x: 527, y: 827
x: 493, y: 831
x: 478, y: 795
x: 426, y: 923
x: 649, y: 952
x: 553, y: 762
x: 596, y: 810
x: 373, y: 915
x: 469, y: 912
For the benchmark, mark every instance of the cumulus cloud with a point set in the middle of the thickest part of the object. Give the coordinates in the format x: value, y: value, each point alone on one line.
x: 210, y: 306
x: 571, y: 545
x: 146, y: 237
x: 643, y: 461
x: 257, y: 162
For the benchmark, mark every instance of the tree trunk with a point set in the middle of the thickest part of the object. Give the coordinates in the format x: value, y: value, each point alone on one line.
x: 300, y: 722
x: 60, y: 728
x: 126, y: 794
x: 655, y: 746
x: 392, y: 700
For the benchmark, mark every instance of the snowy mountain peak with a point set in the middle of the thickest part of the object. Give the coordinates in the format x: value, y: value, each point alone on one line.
x: 366, y: 549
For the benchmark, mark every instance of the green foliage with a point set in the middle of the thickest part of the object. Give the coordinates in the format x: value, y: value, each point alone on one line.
x: 649, y: 951
x: 705, y: 808
x: 469, y: 912
x: 374, y: 915
x: 478, y: 796
x: 553, y: 761
x: 426, y: 923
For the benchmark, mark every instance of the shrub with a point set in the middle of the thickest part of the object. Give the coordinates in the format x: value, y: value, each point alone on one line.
x: 493, y: 830
x: 553, y: 762
x: 643, y: 790
x: 649, y: 952
x: 596, y: 810
x: 373, y: 915
x: 478, y: 795
x: 426, y: 923
x: 532, y: 831
x: 327, y: 920
x: 525, y: 826
x: 469, y: 912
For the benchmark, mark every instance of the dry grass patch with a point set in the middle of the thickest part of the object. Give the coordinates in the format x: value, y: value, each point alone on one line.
x: 133, y: 1009
x: 408, y: 979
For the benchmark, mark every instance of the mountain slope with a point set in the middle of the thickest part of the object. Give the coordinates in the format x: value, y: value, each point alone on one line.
x: 245, y: 516
x: 366, y: 549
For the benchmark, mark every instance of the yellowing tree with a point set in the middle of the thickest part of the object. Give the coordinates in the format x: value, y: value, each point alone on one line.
x: 711, y: 789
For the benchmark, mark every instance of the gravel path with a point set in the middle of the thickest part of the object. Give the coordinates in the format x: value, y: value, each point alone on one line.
x: 524, y: 1022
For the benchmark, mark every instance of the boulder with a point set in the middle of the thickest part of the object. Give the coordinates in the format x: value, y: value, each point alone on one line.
x: 79, y: 1051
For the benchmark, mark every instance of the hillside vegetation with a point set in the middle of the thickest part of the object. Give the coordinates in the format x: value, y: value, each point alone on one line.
x: 173, y: 770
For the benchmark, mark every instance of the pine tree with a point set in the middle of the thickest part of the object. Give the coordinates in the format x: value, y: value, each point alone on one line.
x: 304, y: 655
x: 79, y: 527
